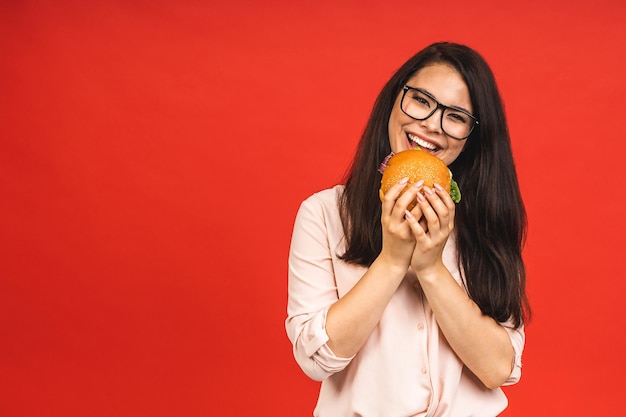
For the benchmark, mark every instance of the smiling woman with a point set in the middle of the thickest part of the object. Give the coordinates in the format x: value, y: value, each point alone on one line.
x: 411, y: 297
x: 416, y: 120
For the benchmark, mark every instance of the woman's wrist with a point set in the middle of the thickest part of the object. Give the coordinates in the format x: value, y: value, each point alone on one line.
x: 392, y: 267
x: 432, y: 273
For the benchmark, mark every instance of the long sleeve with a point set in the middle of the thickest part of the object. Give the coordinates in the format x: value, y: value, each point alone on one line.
x: 518, y: 338
x: 312, y: 289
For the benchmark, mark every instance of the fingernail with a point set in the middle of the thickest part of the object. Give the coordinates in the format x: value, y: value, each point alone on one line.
x: 438, y: 187
x: 428, y: 190
x: 419, y: 184
x: 408, y: 214
x: 420, y: 197
x: 404, y: 180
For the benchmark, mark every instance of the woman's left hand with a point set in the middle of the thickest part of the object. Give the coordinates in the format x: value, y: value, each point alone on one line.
x: 479, y: 341
x: 432, y: 222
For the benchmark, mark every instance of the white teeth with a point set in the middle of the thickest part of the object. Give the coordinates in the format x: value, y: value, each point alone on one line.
x: 421, y: 143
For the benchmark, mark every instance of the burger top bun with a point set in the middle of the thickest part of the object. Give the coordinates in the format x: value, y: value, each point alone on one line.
x: 417, y: 165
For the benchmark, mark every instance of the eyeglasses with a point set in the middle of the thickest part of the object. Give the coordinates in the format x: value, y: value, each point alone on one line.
x: 420, y: 105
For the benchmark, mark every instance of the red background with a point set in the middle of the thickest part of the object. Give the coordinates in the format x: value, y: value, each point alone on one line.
x: 153, y: 156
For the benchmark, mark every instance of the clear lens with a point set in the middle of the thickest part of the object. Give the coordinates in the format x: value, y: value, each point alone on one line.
x: 421, y: 106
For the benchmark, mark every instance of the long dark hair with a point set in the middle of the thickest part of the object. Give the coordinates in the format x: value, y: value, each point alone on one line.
x: 490, y: 219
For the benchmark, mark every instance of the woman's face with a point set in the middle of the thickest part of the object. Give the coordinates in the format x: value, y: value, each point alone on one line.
x: 445, y: 84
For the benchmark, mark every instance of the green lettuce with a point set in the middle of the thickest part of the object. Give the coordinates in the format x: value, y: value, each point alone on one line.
x: 455, y: 192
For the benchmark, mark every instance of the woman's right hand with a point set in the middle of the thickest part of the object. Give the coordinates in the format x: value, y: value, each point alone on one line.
x: 351, y: 320
x: 398, y: 240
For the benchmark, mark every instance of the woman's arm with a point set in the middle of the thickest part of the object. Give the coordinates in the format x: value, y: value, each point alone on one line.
x: 353, y: 317
x: 327, y: 331
x: 481, y: 343
x: 351, y: 320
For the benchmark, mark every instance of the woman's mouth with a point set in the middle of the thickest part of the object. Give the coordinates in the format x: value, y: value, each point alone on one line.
x: 427, y: 146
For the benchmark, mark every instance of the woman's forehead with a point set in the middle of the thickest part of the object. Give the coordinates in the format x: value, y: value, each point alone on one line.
x: 444, y: 82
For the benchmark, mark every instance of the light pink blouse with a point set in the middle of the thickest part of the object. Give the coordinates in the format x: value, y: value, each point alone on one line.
x: 406, y: 367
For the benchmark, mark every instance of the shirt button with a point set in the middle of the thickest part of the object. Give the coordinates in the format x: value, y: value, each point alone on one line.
x: 424, y: 370
x: 420, y: 326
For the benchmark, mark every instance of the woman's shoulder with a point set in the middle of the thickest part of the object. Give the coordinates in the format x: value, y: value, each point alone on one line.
x: 328, y: 197
x: 323, y: 204
x: 319, y: 215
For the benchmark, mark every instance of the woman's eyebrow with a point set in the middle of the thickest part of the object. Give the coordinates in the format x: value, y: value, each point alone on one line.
x: 452, y: 107
x: 460, y: 108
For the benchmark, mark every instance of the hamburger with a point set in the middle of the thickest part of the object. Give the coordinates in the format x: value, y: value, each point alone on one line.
x: 417, y: 165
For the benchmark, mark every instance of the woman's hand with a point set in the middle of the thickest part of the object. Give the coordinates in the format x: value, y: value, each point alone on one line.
x: 479, y: 341
x: 398, y: 239
x: 431, y: 223
x: 351, y: 320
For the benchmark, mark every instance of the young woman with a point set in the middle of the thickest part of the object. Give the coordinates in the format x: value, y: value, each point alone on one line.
x: 416, y: 313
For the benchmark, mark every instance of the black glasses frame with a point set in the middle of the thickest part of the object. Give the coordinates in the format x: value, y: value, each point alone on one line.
x: 443, y: 107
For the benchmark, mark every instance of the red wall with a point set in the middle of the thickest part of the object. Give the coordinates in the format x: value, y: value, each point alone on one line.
x: 153, y: 156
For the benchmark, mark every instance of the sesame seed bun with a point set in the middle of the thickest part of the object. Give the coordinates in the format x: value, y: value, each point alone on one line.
x: 417, y: 165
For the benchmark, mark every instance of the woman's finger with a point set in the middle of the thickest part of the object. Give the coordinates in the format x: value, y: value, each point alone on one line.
x: 443, y: 205
x: 399, y: 197
x: 389, y: 198
x: 408, y: 196
x: 418, y: 226
x: 445, y: 197
x: 426, y: 205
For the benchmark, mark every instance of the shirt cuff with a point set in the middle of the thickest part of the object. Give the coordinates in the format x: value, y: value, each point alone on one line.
x: 314, y: 335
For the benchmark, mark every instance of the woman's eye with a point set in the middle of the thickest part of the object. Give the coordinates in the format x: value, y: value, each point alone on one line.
x: 458, y: 117
x: 421, y: 100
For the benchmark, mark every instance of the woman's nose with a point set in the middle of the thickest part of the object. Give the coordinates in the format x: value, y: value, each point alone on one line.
x: 433, y: 122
